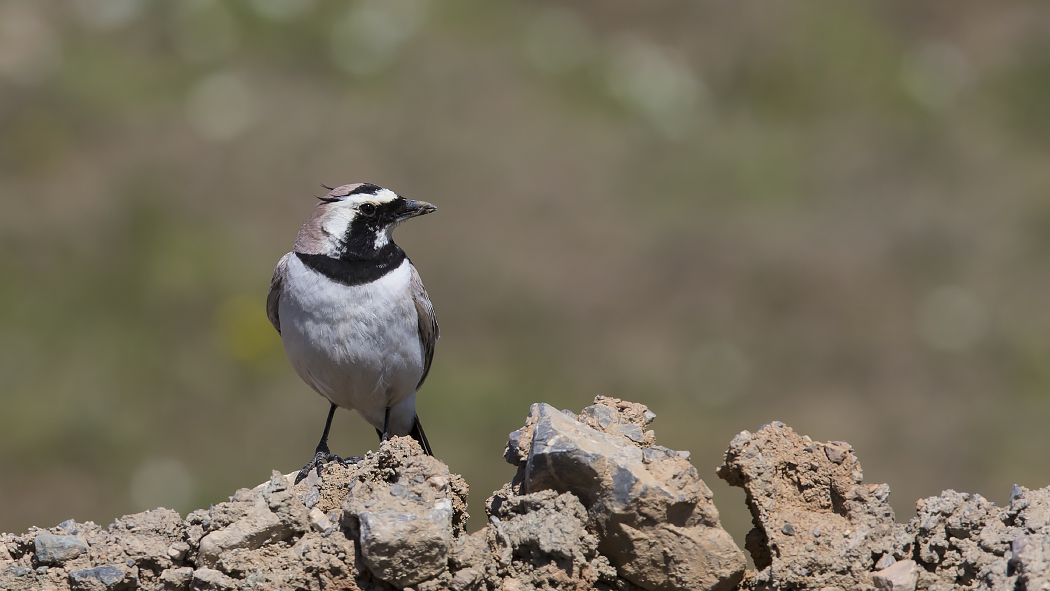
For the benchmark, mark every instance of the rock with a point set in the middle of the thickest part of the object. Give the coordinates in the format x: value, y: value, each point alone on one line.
x: 591, y: 507
x: 901, y: 576
x: 797, y: 487
x: 837, y: 450
x: 155, y: 533
x: 405, y: 513
x: 464, y: 579
x: 319, y: 520
x: 407, y: 548
x: 176, y: 578
x: 206, y: 579
x: 885, y: 562
x: 274, y: 515
x: 624, y: 490
x: 53, y: 549
x: 102, y: 578
x: 965, y: 540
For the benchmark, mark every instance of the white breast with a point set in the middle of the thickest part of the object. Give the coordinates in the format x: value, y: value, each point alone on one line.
x: 358, y: 345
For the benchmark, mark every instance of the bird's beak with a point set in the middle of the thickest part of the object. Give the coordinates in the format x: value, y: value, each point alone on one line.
x: 413, y: 208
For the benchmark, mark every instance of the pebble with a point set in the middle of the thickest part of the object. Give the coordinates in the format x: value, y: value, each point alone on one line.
x: 312, y: 498
x: 886, y: 561
x: 836, y: 451
x: 901, y: 576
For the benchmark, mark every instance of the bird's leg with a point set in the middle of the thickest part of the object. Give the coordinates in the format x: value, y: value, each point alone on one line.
x: 321, y: 455
x: 386, y: 425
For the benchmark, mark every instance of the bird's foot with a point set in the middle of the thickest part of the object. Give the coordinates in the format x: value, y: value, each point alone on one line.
x: 321, y: 458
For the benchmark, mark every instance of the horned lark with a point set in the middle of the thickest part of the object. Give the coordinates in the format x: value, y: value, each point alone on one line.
x: 356, y: 322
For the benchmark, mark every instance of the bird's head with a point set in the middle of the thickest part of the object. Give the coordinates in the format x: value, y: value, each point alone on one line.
x: 356, y: 221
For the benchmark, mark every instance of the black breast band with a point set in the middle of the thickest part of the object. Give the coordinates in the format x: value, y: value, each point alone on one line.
x: 353, y: 270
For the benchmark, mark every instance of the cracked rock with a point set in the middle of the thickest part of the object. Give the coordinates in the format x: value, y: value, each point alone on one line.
x: 651, y: 513
x: 55, y: 549
x: 797, y: 487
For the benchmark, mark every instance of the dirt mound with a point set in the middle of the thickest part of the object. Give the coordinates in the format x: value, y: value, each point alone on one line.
x: 595, y: 504
x: 817, y: 526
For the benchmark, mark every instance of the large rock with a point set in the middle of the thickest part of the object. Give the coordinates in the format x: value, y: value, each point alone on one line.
x: 650, y: 511
x: 271, y: 517
x: 402, y: 508
x: 103, y: 578
x: 965, y: 540
x: 595, y: 504
x: 56, y: 549
x: 406, y: 548
x: 899, y: 576
x: 816, y: 524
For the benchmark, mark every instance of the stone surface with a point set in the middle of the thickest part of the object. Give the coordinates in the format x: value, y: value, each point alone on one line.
x: 102, y: 578
x: 206, y: 579
x: 176, y: 578
x: 270, y: 518
x: 650, y: 511
x: 796, y: 488
x: 403, y: 513
x: 595, y: 504
x: 55, y: 549
x: 900, y: 576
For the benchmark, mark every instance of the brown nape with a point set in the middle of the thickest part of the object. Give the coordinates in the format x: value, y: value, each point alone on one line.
x: 312, y: 238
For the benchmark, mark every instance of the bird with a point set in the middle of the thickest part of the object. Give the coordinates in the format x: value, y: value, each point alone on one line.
x: 353, y: 315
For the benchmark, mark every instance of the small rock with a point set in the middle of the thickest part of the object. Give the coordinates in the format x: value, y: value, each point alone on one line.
x: 886, y: 561
x: 206, y: 579
x: 312, y: 498
x: 101, y: 578
x: 259, y: 527
x: 52, y: 549
x: 407, y: 548
x: 788, y: 529
x: 318, y: 520
x: 313, y: 479
x: 178, y: 551
x: 605, y: 416
x: 631, y: 431
x: 176, y: 578
x: 463, y: 579
x: 837, y: 450
x: 902, y: 576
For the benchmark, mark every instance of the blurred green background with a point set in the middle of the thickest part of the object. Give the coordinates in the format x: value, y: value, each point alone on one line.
x: 833, y: 214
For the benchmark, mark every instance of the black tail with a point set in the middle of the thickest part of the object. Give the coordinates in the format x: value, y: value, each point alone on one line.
x: 417, y: 434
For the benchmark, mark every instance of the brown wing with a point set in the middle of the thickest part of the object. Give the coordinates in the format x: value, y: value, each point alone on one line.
x: 273, y: 299
x: 428, y: 323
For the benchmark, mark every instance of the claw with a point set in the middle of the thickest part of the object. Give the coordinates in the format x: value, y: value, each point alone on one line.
x: 321, y: 458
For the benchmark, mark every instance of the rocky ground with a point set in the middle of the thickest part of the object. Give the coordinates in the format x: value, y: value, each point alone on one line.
x: 595, y: 504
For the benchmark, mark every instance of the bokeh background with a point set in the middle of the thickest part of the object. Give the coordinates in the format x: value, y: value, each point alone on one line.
x: 833, y: 214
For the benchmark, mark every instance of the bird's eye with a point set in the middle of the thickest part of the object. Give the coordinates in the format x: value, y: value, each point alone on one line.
x: 367, y: 209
